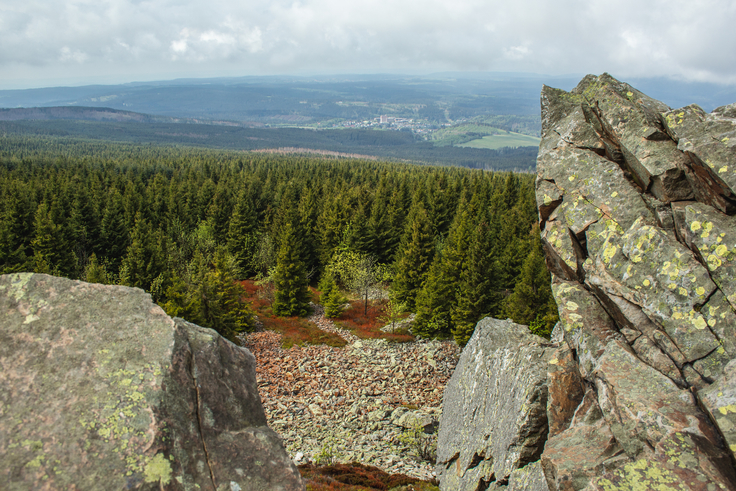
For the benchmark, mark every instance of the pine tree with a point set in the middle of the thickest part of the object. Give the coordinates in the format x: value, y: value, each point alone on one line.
x: 292, y: 295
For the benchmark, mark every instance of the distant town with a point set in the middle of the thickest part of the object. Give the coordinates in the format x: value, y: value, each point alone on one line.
x: 397, y: 124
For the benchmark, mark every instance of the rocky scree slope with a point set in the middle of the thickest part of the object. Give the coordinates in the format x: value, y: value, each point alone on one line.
x: 353, y: 404
x: 636, y: 204
x: 102, y: 390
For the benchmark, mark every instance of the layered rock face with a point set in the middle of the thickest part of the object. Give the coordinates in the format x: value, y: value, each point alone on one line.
x: 636, y: 203
x: 494, y: 419
x: 102, y: 390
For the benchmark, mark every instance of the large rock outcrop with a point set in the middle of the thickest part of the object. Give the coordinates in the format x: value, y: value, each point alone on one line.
x: 636, y: 204
x: 102, y: 390
x: 494, y: 422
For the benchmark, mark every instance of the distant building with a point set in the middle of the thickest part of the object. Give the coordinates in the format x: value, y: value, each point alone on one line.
x: 384, y: 119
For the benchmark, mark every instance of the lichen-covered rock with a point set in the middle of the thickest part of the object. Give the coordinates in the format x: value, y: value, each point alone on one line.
x: 709, y: 141
x: 713, y: 235
x: 638, y: 233
x: 102, y: 390
x: 494, y: 421
x: 583, y: 450
x: 720, y: 400
x: 529, y: 478
x: 634, y: 122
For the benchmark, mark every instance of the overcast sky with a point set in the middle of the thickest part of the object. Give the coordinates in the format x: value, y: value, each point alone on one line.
x: 55, y: 42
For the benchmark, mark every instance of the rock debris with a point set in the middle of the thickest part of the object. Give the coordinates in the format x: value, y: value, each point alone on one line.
x: 351, y: 404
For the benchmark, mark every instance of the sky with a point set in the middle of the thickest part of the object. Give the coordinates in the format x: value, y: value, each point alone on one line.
x: 78, y: 42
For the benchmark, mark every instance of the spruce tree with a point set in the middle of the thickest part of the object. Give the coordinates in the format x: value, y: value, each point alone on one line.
x: 438, y: 297
x: 532, y: 302
x: 51, y: 252
x: 291, y: 297
x: 434, y: 304
x: 332, y: 300
x: 225, y: 311
x: 16, y: 226
x: 95, y: 272
x: 477, y: 292
x: 143, y: 261
x: 241, y: 235
x: 114, y: 232
x: 415, y: 259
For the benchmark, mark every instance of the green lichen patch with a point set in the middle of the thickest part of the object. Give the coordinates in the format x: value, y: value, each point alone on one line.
x: 158, y: 469
x: 84, y: 387
x: 596, y: 193
x: 585, y: 324
x: 642, y: 475
x: 713, y: 234
x: 711, y: 138
x: 650, y: 268
x: 558, y: 237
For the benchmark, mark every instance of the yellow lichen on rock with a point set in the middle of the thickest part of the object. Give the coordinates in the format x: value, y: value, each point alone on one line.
x: 158, y: 470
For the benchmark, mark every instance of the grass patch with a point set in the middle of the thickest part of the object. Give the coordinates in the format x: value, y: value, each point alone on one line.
x: 503, y: 139
x: 368, y: 326
x: 462, y: 133
x: 294, y: 330
x: 298, y: 331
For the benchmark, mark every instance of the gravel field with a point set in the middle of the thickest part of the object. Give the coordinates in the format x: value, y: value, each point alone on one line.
x: 351, y: 404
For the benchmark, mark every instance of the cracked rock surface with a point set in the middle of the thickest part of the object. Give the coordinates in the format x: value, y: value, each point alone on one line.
x: 637, y: 210
x: 636, y: 203
x: 102, y: 390
x: 494, y: 420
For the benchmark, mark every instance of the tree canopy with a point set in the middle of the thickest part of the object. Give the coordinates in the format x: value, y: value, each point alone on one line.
x: 185, y: 224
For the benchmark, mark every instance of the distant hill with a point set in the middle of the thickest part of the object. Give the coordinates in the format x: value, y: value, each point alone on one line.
x: 440, y: 98
x: 79, y: 113
x: 301, y: 101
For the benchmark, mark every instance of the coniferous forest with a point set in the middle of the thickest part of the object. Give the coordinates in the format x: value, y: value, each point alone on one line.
x: 450, y: 244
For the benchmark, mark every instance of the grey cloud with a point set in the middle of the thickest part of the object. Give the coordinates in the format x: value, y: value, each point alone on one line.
x: 159, y: 38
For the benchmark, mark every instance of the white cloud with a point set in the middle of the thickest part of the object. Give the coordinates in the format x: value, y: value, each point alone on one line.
x: 148, y: 39
x: 67, y: 54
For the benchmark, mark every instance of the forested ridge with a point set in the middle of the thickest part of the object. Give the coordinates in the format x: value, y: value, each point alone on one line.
x: 394, y: 145
x: 452, y: 244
